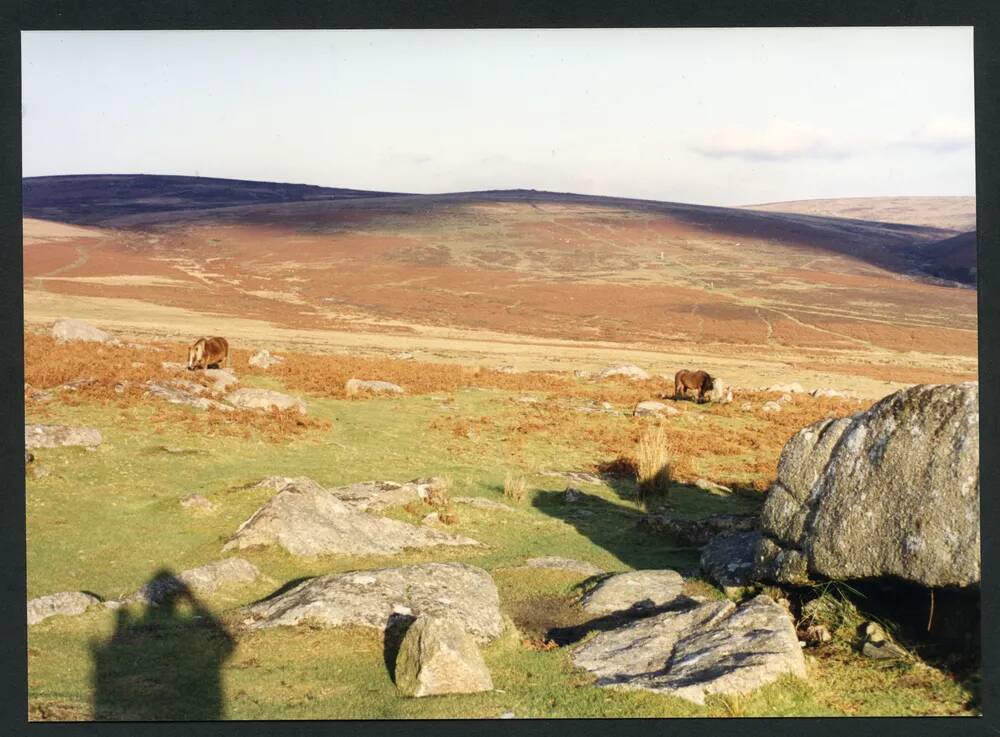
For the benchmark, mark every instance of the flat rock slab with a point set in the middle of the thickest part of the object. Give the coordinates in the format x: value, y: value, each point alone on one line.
x: 181, y: 391
x: 437, y: 656
x: 67, y: 603
x: 306, y: 519
x: 371, y: 598
x: 69, y: 329
x: 198, y: 502
x: 627, y: 370
x: 728, y: 560
x: 57, y: 436
x: 264, y: 359
x: 556, y: 563
x: 654, y: 409
x: 265, y: 399
x: 633, y: 591
x: 374, y: 496
x: 706, y: 647
x: 203, y: 580
x: 222, y: 380
x: 359, y: 386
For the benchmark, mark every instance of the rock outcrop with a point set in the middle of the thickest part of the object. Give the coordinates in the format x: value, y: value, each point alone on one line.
x: 370, y: 598
x: 654, y: 409
x: 438, y: 656
x: 892, y: 491
x: 306, y: 519
x: 263, y: 359
x: 203, y: 580
x: 57, y: 436
x: 698, y: 532
x: 696, y: 649
x: 353, y: 387
x: 626, y: 369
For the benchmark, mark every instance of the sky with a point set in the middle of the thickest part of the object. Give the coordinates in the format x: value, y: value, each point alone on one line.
x: 707, y: 116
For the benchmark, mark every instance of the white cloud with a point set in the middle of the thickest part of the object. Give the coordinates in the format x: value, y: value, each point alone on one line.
x: 778, y: 141
x: 943, y: 134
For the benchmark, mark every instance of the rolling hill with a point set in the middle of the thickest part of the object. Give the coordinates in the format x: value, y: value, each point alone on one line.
x: 522, y: 269
x: 949, y: 213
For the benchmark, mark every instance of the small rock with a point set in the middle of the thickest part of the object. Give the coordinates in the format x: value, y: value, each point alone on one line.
x: 635, y: 590
x: 353, y: 387
x: 771, y: 407
x: 222, y: 380
x: 68, y: 603
x: 794, y: 388
x: 652, y: 408
x: 817, y: 634
x: 265, y: 399
x: 728, y: 560
x: 438, y: 656
x: 204, y: 579
x: 627, y: 370
x: 785, y: 398
x: 263, y: 359
x: 403, y: 356
x: 746, y: 406
x: 180, y: 391
x: 506, y: 370
x: 431, y: 519
x: 571, y: 495
x: 712, y: 486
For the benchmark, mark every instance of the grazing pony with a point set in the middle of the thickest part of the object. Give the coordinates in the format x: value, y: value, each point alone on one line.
x: 207, y: 352
x: 700, y: 381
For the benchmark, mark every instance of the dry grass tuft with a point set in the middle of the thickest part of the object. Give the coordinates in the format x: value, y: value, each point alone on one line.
x: 437, y: 495
x: 653, y: 464
x: 514, y: 487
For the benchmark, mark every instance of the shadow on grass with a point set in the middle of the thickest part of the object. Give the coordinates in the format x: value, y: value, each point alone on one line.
x: 164, y: 664
x: 395, y: 630
x: 615, y: 528
x: 283, y: 589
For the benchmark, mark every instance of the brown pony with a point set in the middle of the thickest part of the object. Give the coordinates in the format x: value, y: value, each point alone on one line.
x: 206, y: 352
x: 697, y: 380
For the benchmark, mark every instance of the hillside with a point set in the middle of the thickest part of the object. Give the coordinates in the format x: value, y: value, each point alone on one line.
x: 93, y: 198
x: 496, y: 273
x: 949, y: 213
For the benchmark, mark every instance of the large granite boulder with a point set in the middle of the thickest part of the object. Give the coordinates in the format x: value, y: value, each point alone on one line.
x: 438, y: 656
x: 892, y: 491
x: 306, y: 519
x: 182, y: 391
x: 69, y: 329
x: 696, y: 649
x: 728, y: 560
x: 699, y: 531
x: 627, y: 370
x: 633, y: 591
x: 263, y: 359
x: 68, y: 603
x: 371, y: 598
x: 57, y: 436
x: 354, y: 387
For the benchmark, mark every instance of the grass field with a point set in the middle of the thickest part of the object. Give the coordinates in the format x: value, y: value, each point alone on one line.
x: 107, y: 520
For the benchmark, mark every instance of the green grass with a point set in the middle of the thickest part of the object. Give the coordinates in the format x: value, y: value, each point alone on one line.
x: 106, y: 521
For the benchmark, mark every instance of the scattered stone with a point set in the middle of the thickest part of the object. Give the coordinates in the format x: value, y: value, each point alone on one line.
x: 554, y: 562
x: 889, y: 492
x: 833, y: 393
x: 877, y: 646
x: 353, y: 387
x: 306, y: 519
x: 656, y: 409
x: 817, y: 634
x: 785, y: 399
x: 403, y: 356
x: 698, y: 532
x: 69, y: 329
x: 746, y: 406
x: 705, y: 647
x: 174, y: 366
x: 528, y: 400
x: 197, y: 501
x: 626, y: 369
x: 572, y: 496
x: 180, y: 391
x: 203, y: 580
x: 728, y: 560
x: 771, y: 407
x: 265, y: 399
x: 431, y: 519
x: 721, y: 392
x: 263, y: 359
x: 368, y: 599
x: 438, y: 656
x: 581, y: 374
x: 58, y: 436
x: 67, y: 603
x: 479, y: 502
x: 633, y: 591
x: 794, y: 388
x: 506, y: 370
x: 712, y: 486
x: 375, y: 496
x: 222, y: 380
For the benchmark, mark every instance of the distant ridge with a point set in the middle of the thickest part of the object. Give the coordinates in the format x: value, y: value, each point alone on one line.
x: 89, y: 199
x: 957, y: 213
